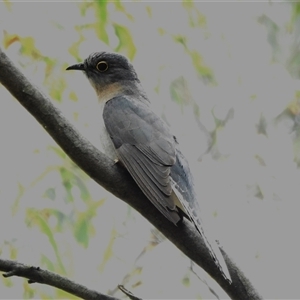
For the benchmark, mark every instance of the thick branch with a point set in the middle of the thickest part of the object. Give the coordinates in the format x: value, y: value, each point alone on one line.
x: 116, y: 180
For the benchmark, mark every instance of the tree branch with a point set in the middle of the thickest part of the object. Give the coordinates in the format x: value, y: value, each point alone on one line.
x: 116, y: 180
x: 13, y: 268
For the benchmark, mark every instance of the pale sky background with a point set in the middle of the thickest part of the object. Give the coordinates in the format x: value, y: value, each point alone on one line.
x: 248, y: 185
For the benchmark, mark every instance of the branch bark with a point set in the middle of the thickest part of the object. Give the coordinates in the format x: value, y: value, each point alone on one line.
x: 116, y: 180
x: 13, y: 268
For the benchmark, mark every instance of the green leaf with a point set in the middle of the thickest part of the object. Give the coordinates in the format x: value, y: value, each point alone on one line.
x: 101, y: 15
x: 295, y: 11
x: 74, y: 48
x: 186, y: 281
x: 45, y: 261
x: 56, y: 86
x: 9, y: 39
x: 126, y: 44
x: 149, y: 11
x: 8, y: 5
x: 203, y: 70
x: 83, y: 225
x: 8, y: 282
x: 29, y: 49
x: 109, y: 250
x: 181, y: 40
x: 50, y: 193
x: 180, y: 92
x: 73, y: 97
x: 120, y: 7
x: 37, y: 218
x: 67, y: 181
x: 60, y: 216
x: 84, y: 6
x: 81, y: 230
x: 50, y: 65
x: 29, y: 291
x: 84, y: 192
x: 60, y: 294
x: 196, y: 18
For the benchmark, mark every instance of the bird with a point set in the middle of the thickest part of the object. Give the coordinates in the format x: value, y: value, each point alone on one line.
x: 134, y: 135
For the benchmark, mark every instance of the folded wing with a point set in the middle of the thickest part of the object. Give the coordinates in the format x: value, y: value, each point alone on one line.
x: 145, y: 147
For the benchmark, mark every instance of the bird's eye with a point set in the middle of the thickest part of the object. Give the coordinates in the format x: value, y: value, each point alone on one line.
x: 102, y: 66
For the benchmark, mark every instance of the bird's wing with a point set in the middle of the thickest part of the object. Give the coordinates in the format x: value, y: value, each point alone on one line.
x: 145, y: 147
x: 149, y: 152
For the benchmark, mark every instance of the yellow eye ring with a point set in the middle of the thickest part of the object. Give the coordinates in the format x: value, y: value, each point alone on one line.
x: 102, y: 66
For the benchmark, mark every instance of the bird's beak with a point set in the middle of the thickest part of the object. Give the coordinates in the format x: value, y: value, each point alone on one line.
x: 76, y: 67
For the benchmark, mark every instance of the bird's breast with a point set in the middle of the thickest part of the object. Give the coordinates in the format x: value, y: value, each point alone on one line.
x: 107, y: 145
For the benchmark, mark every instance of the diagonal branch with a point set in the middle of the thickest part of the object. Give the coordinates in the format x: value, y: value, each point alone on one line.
x: 116, y: 180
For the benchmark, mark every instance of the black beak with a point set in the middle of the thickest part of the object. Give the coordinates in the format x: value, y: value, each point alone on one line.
x: 76, y: 67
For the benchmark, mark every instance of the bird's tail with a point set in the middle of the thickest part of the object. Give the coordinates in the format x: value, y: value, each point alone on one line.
x: 193, y: 214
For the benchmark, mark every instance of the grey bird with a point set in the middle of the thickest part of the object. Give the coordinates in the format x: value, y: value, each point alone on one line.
x: 134, y: 135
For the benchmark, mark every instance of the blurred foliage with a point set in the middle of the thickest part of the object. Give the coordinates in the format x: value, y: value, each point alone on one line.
x: 103, y: 21
x: 202, y: 69
x: 39, y: 219
x: 295, y: 12
x: 101, y: 16
x: 56, y: 84
x: 58, y: 198
x: 126, y: 44
x: 179, y: 91
x: 195, y: 17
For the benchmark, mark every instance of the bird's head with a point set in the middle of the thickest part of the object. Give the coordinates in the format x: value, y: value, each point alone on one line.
x: 108, y: 72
